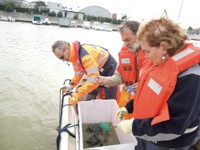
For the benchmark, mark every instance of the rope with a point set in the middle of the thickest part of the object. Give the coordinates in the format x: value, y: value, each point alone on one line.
x: 64, y: 129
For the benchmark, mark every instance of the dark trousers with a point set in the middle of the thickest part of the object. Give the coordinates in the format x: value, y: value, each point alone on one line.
x: 146, y: 145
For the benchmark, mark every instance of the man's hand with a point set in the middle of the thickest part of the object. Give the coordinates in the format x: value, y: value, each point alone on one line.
x: 126, y: 126
x: 121, y: 113
x: 66, y: 88
x: 101, y: 80
x: 73, y: 100
x: 133, y: 88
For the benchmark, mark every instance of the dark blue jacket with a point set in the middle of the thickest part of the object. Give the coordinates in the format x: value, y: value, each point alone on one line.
x: 184, y: 109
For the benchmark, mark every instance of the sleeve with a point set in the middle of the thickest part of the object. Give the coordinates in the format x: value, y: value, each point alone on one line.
x: 78, y: 74
x: 92, y: 70
x: 129, y: 106
x: 114, y: 80
x: 183, y: 108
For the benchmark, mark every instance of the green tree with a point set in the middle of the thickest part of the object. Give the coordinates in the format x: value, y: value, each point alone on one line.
x: 12, y: 4
x: 8, y: 8
x: 124, y: 17
x: 52, y: 14
x: 101, y: 19
x: 60, y: 14
x: 75, y: 16
x: 39, y: 5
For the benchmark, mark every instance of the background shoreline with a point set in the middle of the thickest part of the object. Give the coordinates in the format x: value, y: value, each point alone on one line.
x: 25, y: 17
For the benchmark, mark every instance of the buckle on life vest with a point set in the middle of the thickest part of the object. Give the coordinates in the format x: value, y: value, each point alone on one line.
x: 101, y: 70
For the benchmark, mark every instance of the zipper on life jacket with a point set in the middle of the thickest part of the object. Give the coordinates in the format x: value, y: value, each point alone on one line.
x: 136, y: 65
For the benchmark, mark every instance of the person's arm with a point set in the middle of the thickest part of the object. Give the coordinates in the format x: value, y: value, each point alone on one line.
x: 91, y: 68
x: 78, y: 74
x: 114, y: 80
x: 129, y: 106
x: 183, y: 108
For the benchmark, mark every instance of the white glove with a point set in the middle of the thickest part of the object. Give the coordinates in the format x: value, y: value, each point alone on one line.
x: 121, y: 113
x: 126, y: 126
x: 66, y: 88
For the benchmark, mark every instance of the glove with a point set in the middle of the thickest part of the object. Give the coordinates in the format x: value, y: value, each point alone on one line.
x: 126, y: 126
x: 73, y: 100
x: 121, y: 113
x: 66, y: 88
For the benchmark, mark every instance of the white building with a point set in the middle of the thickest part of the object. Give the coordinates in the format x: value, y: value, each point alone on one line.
x: 96, y: 11
x: 56, y: 7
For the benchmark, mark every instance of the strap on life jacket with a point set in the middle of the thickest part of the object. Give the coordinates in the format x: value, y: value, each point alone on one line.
x: 77, y: 47
x: 123, y: 97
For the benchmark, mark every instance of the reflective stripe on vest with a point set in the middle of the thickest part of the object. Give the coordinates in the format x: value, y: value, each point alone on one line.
x: 100, y: 60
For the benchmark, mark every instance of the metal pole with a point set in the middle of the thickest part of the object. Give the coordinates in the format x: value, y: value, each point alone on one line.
x: 180, y: 10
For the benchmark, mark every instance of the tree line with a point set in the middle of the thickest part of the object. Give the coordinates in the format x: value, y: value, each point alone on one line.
x: 41, y: 8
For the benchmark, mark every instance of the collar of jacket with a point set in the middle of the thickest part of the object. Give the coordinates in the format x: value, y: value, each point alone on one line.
x: 72, y: 57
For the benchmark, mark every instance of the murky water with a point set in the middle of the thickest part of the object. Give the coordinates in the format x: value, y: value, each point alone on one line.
x: 95, y: 136
x: 30, y: 78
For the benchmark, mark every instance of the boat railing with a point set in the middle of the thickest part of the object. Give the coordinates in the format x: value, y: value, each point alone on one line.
x: 66, y: 129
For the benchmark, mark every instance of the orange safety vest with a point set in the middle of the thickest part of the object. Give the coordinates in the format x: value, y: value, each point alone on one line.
x: 157, y: 84
x: 129, y: 66
x: 91, y: 63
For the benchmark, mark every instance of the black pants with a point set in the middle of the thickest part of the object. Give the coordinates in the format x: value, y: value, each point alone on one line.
x: 146, y: 145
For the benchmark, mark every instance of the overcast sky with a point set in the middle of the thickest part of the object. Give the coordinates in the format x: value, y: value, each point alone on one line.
x: 145, y: 9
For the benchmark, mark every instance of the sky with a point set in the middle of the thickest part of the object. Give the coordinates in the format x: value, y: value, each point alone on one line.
x: 185, y: 12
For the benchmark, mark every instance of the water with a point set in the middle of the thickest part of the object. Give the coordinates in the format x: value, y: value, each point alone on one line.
x: 30, y: 79
x: 95, y: 136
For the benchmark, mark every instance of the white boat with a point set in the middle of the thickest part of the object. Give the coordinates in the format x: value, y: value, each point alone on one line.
x: 46, y: 21
x: 94, y: 111
x: 97, y: 26
x: 11, y: 19
x: 3, y: 18
x: 37, y: 20
x: 102, y: 26
x: 86, y: 25
x: 107, y: 27
x: 195, y: 39
x: 64, y: 22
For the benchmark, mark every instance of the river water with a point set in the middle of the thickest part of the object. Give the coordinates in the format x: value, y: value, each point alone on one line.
x: 30, y: 79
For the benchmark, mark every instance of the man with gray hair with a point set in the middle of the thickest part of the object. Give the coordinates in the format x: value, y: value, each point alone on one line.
x: 88, y: 59
x: 130, y: 61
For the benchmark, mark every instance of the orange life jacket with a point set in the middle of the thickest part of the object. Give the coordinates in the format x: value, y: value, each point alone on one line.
x: 124, y: 96
x: 157, y: 84
x: 130, y: 64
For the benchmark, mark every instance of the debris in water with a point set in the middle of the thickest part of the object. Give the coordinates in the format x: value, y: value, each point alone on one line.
x: 99, y: 134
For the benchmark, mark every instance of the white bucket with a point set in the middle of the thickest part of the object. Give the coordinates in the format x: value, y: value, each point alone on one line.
x: 98, y: 111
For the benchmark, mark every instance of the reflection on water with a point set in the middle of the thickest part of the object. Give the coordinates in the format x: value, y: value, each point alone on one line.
x: 30, y: 78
